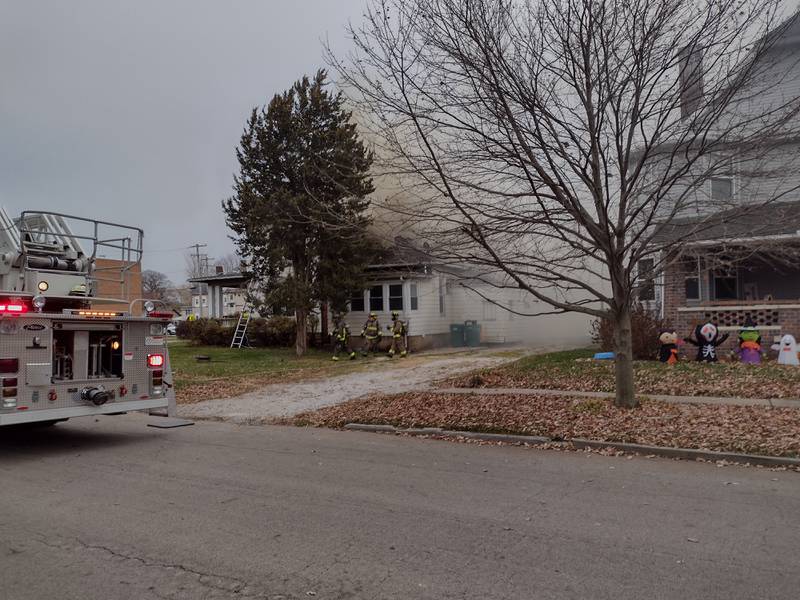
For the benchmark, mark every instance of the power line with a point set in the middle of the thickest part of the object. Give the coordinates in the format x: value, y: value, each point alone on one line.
x: 182, y: 248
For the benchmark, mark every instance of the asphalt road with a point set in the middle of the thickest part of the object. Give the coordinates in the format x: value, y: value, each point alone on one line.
x: 113, y: 509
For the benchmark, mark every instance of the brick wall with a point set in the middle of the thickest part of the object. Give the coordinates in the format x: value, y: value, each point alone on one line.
x: 109, y: 285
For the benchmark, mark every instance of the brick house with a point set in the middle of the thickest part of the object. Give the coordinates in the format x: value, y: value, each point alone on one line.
x: 739, y: 250
x: 762, y: 283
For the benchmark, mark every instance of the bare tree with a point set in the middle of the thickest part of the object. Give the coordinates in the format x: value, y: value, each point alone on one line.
x: 230, y: 263
x: 553, y: 144
x: 196, y: 265
x: 156, y: 285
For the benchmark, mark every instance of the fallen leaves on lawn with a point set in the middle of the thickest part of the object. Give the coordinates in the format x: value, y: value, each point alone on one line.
x: 768, y: 380
x: 747, y: 429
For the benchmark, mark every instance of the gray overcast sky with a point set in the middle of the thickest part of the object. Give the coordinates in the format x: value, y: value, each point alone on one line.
x: 131, y: 111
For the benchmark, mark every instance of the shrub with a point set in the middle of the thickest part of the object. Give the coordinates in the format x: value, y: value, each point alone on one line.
x: 645, y: 329
x: 185, y: 329
x: 275, y: 331
x: 207, y: 332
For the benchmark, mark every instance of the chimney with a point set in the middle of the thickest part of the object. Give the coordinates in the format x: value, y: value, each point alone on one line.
x: 220, y: 269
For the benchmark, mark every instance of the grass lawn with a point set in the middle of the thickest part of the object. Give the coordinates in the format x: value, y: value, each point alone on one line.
x: 570, y: 370
x: 234, y: 372
x: 748, y: 429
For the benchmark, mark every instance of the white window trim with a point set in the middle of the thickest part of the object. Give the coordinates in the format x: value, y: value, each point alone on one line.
x: 388, y: 301
x: 385, y: 298
x: 410, y: 306
x: 698, y: 276
x: 365, y: 298
x: 731, y: 178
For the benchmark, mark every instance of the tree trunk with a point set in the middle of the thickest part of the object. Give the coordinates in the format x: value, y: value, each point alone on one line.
x: 301, y: 337
x: 623, y: 367
x: 323, y: 317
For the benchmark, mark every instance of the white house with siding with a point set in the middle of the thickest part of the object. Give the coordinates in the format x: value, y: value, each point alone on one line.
x: 432, y: 298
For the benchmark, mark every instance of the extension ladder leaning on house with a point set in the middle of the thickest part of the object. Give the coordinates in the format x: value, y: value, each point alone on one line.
x: 240, y: 335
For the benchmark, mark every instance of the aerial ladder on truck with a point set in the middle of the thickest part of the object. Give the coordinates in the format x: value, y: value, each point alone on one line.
x: 74, y: 338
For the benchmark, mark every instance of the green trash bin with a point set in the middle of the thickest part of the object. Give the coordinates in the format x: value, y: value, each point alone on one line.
x: 457, y: 339
x: 472, y: 333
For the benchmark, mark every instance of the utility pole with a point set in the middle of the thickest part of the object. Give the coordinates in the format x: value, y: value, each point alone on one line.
x: 198, y: 261
x: 206, y: 264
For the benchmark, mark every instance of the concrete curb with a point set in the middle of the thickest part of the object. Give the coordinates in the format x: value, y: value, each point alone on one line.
x: 691, y: 454
x: 475, y: 435
x: 582, y: 444
x: 773, y: 402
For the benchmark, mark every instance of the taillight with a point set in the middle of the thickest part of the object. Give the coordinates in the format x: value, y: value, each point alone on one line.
x: 155, y: 360
x: 9, y: 365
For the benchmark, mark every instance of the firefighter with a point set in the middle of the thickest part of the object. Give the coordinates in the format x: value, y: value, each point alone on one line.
x: 371, y: 334
x: 399, y: 331
x: 341, y: 338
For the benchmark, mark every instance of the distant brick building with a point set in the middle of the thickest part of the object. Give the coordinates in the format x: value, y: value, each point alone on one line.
x: 118, y: 280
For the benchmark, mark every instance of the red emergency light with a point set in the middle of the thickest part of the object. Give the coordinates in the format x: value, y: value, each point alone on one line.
x: 155, y: 360
x: 13, y: 308
x: 160, y: 315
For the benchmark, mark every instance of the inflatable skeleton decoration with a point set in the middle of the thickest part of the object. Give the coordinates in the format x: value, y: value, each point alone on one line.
x: 787, y: 351
x: 706, y: 338
x: 668, y: 353
x: 750, y: 343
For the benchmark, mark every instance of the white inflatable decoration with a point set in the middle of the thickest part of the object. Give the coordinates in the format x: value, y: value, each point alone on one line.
x: 787, y: 351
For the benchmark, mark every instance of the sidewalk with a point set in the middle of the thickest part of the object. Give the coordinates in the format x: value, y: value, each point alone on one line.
x: 773, y: 402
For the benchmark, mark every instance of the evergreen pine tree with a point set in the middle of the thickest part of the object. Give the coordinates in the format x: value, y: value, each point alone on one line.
x: 300, y: 202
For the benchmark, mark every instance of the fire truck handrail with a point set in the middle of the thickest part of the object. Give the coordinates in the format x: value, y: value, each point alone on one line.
x: 86, y: 219
x: 38, y: 225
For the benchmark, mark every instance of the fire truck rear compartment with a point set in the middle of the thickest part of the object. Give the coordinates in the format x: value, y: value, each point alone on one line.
x: 85, y: 355
x: 75, y: 362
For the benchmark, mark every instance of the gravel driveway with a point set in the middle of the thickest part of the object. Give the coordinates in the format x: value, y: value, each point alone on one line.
x: 286, y: 399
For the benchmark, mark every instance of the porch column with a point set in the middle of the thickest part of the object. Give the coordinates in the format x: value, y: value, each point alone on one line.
x: 212, y: 300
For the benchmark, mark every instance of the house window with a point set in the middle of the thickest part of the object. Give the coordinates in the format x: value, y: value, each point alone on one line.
x: 692, y: 281
x: 396, y: 296
x: 721, y: 189
x: 357, y: 302
x: 692, y: 285
x: 412, y: 287
x: 376, y: 298
x: 725, y: 285
x: 647, y: 287
x: 441, y: 295
x: 489, y: 311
